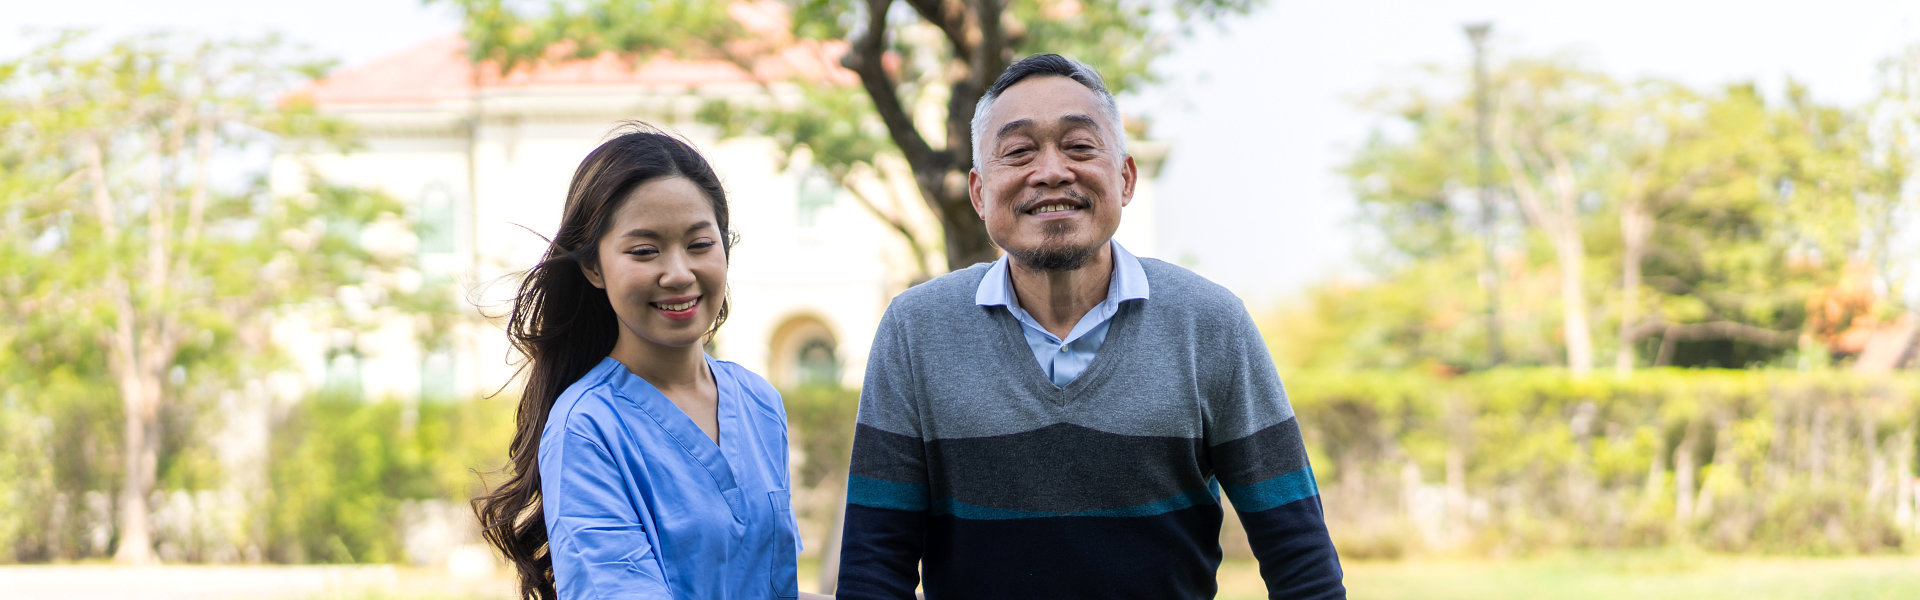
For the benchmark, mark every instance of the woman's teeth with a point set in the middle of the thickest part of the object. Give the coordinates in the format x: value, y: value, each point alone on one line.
x: 678, y: 307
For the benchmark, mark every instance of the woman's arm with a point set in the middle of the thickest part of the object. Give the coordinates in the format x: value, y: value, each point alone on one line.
x: 599, y: 545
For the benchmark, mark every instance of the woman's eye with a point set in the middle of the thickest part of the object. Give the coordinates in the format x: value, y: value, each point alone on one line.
x: 644, y: 251
x: 700, y: 245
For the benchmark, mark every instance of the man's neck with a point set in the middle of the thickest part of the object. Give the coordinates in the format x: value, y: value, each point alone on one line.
x: 1058, y: 299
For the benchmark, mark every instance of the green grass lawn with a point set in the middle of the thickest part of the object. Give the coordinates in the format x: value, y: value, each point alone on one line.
x: 1642, y: 575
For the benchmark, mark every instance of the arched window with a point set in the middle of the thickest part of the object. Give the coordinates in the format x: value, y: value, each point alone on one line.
x: 816, y: 363
x: 803, y: 351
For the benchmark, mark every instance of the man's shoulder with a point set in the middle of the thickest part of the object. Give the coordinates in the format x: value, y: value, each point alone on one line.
x: 953, y: 289
x: 1173, y: 285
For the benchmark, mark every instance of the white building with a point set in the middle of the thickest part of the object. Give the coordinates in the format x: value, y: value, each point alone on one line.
x: 483, y: 162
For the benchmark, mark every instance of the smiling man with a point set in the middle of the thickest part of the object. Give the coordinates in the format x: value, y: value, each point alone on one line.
x: 1061, y: 423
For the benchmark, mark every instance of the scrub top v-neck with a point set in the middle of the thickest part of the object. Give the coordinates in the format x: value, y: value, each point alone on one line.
x: 640, y: 503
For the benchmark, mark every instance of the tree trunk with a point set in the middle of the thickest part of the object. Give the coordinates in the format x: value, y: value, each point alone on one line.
x: 139, y: 395
x: 965, y: 233
x: 1903, y: 480
x: 1635, y: 224
x: 1683, y: 475
x: 1573, y: 294
x: 981, y: 48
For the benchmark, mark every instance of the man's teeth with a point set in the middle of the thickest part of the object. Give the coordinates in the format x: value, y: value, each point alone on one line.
x: 678, y: 307
x: 1051, y: 208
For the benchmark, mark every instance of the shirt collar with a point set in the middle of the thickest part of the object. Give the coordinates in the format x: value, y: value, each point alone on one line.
x: 1129, y: 281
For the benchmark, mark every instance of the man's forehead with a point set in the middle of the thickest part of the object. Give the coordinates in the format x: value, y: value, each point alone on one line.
x: 1044, y: 100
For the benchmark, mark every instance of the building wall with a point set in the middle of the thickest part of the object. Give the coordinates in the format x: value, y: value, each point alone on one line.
x: 823, y: 262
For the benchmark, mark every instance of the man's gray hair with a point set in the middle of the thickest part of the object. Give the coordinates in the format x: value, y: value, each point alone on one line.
x: 1048, y: 64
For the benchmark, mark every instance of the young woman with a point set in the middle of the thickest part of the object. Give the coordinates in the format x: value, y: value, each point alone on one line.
x: 641, y: 467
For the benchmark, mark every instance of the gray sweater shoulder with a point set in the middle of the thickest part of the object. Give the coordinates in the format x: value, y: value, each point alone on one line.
x: 941, y: 294
x: 1175, y: 287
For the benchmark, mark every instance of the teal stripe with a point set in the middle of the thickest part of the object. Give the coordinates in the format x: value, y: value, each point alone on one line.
x: 1279, y: 490
x: 950, y: 506
x: 880, y: 493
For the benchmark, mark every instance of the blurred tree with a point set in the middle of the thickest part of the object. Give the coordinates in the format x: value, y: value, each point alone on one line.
x: 1552, y: 126
x: 1739, y: 208
x: 133, y: 257
x: 921, y: 66
x: 1725, y: 205
x: 1893, y: 121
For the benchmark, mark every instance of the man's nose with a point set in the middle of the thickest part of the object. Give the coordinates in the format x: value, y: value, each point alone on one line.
x: 1050, y: 169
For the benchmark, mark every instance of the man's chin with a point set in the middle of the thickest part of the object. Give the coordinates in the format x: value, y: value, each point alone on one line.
x: 1055, y: 257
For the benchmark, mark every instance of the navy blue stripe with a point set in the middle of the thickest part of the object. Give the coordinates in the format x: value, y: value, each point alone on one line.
x: 949, y: 506
x: 1171, y: 556
x: 1297, y: 558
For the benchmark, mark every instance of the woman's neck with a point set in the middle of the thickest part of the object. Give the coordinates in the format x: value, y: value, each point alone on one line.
x: 665, y: 368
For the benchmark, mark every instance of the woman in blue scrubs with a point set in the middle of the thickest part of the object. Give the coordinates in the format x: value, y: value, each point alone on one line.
x: 642, y: 468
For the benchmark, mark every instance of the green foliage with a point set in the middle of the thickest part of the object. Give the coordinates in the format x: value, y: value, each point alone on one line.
x: 341, y: 467
x: 140, y: 272
x: 1696, y: 226
x: 1726, y: 460
x: 820, y: 424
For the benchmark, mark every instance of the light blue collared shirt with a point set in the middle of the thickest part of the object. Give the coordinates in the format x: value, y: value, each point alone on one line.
x: 1064, y: 359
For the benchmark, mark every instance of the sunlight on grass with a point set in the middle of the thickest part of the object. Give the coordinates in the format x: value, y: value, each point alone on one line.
x: 1649, y: 575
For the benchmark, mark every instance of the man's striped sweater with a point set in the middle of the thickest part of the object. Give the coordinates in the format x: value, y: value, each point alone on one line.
x: 970, y: 465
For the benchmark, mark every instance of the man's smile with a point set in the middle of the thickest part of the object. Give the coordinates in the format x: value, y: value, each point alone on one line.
x: 1041, y: 207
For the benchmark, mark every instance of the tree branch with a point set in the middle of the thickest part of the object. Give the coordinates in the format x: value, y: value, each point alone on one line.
x: 197, y: 198
x: 102, y: 197
x: 950, y: 16
x: 864, y: 59
x: 1523, y: 190
x: 895, y: 221
x: 1715, y: 330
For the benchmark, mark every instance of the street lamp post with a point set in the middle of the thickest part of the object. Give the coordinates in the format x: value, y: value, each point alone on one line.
x: 1489, y: 270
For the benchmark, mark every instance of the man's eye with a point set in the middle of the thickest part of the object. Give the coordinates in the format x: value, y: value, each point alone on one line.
x: 1017, y: 151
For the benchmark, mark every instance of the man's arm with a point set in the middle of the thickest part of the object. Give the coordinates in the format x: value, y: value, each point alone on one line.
x: 1261, y: 463
x: 886, y: 524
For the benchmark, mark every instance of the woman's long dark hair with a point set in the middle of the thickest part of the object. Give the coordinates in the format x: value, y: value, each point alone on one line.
x: 564, y: 326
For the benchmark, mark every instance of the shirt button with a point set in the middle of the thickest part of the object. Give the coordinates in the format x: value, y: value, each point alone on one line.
x: 1066, y: 348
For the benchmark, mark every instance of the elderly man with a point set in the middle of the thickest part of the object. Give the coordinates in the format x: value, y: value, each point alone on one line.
x: 1060, y: 423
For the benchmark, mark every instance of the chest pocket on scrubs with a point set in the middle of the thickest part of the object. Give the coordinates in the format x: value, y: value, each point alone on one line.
x: 785, y: 580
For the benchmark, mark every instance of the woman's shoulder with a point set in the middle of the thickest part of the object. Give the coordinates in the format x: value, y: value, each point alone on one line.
x: 587, y: 401
x: 755, y: 387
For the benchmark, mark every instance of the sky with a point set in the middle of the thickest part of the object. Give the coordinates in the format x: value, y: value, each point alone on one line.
x: 1260, y: 113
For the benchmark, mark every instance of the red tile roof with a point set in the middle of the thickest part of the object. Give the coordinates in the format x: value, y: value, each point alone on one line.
x: 439, y: 69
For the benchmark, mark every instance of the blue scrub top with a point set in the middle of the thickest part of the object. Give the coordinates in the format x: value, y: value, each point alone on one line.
x: 640, y: 503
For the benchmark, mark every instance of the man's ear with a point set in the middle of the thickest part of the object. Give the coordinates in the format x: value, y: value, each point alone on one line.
x: 973, y: 193
x: 1128, y: 175
x: 593, y: 275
